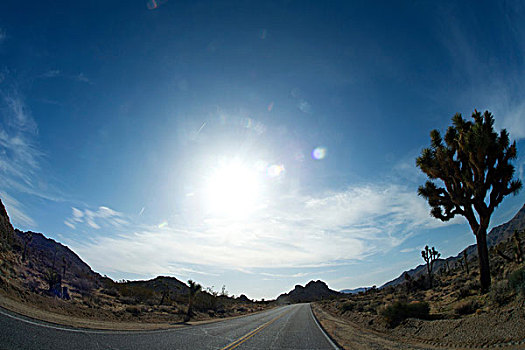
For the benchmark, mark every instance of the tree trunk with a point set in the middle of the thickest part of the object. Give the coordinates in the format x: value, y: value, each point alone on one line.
x: 483, y: 258
x: 429, y: 270
x: 190, y: 309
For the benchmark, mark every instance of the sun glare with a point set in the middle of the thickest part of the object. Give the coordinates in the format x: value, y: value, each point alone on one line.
x: 233, y: 189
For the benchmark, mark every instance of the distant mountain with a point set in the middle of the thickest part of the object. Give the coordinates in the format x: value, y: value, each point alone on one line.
x: 51, y: 254
x: 45, y: 255
x: 354, y: 291
x: 161, y: 283
x: 313, y: 291
x: 497, y: 235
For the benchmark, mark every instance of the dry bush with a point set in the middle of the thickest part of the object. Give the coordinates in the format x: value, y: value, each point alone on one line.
x: 399, y: 311
x: 347, y: 306
x: 500, y: 293
x: 466, y: 307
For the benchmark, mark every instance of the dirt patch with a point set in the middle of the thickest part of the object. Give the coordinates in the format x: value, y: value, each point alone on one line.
x: 501, y: 329
x: 350, y: 335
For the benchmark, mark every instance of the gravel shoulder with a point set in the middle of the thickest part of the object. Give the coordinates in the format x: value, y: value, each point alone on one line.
x: 30, y: 311
x: 350, y: 335
x: 501, y: 330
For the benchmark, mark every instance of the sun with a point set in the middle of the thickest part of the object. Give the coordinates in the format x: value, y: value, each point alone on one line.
x: 233, y: 189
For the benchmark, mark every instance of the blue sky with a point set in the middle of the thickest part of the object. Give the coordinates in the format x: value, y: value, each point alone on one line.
x: 256, y: 145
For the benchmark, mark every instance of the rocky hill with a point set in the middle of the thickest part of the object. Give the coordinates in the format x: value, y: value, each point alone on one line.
x: 354, y: 291
x: 38, y: 274
x: 47, y: 253
x: 497, y: 235
x: 161, y: 283
x: 313, y: 291
x: 6, y: 229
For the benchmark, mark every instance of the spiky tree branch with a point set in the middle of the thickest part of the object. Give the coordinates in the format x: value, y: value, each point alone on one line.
x: 430, y: 255
x: 473, y: 165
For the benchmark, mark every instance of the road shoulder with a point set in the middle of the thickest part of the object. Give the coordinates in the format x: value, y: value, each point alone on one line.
x: 31, y: 312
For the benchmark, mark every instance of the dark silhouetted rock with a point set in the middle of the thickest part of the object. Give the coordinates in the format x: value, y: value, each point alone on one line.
x: 313, y: 291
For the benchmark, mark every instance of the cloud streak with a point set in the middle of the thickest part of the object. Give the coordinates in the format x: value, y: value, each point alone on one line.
x: 15, y: 211
x: 103, y: 216
x: 294, y: 231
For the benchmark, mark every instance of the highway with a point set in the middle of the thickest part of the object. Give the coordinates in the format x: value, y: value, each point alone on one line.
x: 286, y: 327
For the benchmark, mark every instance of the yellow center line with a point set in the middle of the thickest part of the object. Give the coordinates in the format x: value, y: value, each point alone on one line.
x: 247, y: 336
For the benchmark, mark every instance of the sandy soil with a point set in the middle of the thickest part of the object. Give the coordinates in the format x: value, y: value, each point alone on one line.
x: 351, y: 335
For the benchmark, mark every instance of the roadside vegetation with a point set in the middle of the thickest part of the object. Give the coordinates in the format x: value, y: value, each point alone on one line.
x: 37, y: 272
x: 477, y: 298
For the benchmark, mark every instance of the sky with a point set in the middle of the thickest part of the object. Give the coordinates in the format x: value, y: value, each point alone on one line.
x: 256, y: 145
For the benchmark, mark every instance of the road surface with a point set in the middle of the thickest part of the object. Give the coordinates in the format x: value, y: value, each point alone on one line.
x: 287, y: 327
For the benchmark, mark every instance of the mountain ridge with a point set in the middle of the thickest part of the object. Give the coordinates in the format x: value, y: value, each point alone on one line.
x: 496, y: 235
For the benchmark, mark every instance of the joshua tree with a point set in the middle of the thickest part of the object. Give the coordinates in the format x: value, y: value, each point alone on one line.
x: 195, y: 288
x: 430, y: 255
x: 474, y: 166
x: 28, y: 237
x: 518, y: 252
x: 465, y: 259
x: 499, y: 250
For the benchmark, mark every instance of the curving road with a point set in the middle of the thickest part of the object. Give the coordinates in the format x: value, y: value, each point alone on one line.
x: 287, y: 327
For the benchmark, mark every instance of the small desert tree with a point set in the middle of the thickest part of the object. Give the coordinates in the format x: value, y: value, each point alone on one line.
x: 465, y: 259
x: 474, y: 165
x: 430, y: 255
x: 194, y: 289
x: 27, y: 238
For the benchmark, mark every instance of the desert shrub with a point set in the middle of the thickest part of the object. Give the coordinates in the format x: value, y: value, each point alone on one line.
x: 128, y: 300
x: 139, y: 293
x: 206, y: 301
x: 468, y: 289
x: 134, y: 310
x: 110, y: 291
x: 32, y: 285
x: 370, y: 308
x: 397, y: 312
x: 348, y: 306
x: 466, y: 307
x: 82, y: 285
x: 517, y: 281
x: 499, y: 293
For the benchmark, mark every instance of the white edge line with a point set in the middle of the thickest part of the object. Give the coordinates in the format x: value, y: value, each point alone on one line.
x: 102, y: 331
x: 109, y: 331
x: 322, y: 330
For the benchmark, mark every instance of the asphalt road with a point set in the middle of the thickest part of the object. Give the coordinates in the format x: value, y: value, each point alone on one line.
x: 287, y: 327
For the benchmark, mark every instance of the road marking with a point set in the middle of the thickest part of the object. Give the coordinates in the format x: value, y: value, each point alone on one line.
x: 322, y: 330
x: 247, y: 336
x: 79, y: 330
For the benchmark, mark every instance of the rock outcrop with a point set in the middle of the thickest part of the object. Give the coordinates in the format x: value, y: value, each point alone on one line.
x: 6, y: 229
x: 313, y: 291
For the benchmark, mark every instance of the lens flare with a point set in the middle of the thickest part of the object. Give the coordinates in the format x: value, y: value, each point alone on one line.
x: 319, y: 153
x: 275, y: 170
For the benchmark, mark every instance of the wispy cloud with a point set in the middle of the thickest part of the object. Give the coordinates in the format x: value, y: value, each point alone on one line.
x: 3, y: 35
x: 16, y: 212
x: 294, y: 231
x: 408, y: 250
x: 53, y: 73
x: 277, y: 275
x: 497, y: 90
x: 302, y: 104
x: 19, y: 155
x: 103, y: 216
x: 83, y: 78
